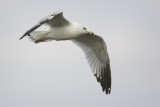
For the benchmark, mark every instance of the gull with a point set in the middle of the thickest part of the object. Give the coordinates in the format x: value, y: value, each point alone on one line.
x: 93, y: 45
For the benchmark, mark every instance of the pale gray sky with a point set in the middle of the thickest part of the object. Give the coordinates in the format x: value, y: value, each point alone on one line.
x: 56, y: 74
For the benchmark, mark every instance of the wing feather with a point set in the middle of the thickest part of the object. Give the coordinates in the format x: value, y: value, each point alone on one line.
x: 96, y: 53
x: 54, y: 20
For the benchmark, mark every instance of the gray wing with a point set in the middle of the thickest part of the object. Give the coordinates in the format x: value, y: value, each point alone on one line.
x: 53, y: 20
x: 96, y: 53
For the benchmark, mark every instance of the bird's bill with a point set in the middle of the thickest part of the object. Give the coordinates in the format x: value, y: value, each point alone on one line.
x: 90, y: 32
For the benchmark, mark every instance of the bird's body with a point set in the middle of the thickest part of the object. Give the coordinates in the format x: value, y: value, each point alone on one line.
x: 69, y: 32
x: 94, y: 46
x: 73, y: 30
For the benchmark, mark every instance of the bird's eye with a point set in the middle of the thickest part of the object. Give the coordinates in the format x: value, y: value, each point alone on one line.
x: 84, y: 28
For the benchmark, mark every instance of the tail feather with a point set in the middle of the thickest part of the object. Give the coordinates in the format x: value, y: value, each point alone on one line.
x: 38, y: 36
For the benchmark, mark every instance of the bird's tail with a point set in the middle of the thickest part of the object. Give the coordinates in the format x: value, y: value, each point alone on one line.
x: 38, y: 36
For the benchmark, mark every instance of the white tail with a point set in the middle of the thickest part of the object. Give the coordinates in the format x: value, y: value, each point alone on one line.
x: 38, y: 36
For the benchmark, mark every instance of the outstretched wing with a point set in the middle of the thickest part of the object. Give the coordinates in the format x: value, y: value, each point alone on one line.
x: 96, y: 53
x: 53, y: 20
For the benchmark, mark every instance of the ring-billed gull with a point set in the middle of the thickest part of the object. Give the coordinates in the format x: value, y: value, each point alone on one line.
x: 93, y: 46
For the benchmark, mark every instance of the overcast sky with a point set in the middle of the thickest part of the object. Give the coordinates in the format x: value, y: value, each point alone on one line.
x: 56, y: 74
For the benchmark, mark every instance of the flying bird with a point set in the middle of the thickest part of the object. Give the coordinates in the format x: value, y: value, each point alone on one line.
x: 93, y: 45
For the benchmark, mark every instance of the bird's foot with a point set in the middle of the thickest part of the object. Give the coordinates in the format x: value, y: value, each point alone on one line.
x: 39, y: 40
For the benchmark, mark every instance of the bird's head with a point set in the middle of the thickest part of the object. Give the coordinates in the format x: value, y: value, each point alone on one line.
x: 82, y: 29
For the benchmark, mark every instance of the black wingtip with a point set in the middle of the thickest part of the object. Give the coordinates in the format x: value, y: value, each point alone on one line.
x: 105, y: 79
x: 108, y: 91
x: 22, y: 36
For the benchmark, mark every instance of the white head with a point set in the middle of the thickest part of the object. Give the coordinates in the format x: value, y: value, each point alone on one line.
x: 82, y: 29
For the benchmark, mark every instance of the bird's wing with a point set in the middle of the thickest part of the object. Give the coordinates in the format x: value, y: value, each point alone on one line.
x: 53, y: 20
x: 96, y: 53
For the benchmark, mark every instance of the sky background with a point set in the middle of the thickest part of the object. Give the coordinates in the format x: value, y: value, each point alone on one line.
x: 56, y: 74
